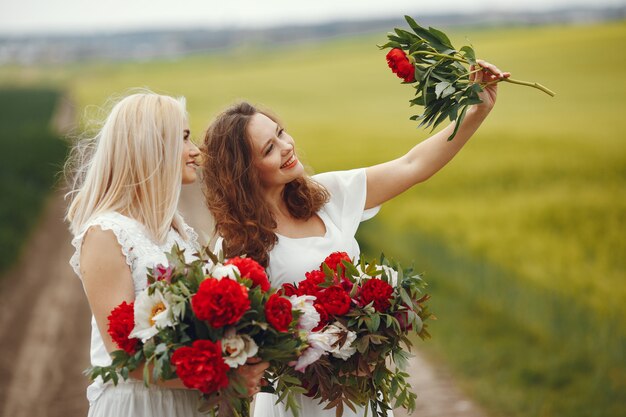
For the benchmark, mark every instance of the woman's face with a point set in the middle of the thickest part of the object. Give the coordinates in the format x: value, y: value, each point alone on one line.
x: 190, y: 152
x: 273, y: 151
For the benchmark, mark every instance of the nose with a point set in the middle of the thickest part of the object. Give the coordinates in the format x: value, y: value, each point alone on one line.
x: 286, y: 147
x: 194, y: 151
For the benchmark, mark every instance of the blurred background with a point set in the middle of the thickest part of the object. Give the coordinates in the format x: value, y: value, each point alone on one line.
x: 522, y: 238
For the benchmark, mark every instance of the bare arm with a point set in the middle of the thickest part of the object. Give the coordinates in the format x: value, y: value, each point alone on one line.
x: 108, y: 282
x: 387, y: 180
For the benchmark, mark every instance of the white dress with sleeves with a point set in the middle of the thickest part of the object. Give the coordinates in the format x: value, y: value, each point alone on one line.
x: 132, y: 398
x: 292, y: 257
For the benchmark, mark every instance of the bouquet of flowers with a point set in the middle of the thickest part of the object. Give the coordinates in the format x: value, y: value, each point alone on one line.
x: 440, y: 73
x: 367, y: 313
x: 199, y: 321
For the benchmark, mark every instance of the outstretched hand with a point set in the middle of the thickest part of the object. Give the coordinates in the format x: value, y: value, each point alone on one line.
x: 489, y: 78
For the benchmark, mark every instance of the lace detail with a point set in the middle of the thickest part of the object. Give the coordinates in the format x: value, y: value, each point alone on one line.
x: 191, y: 234
x: 121, y: 226
x: 139, y: 250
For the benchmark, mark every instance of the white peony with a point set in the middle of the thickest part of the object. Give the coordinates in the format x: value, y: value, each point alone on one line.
x: 337, y: 332
x: 152, y: 312
x: 319, y: 345
x: 237, y: 348
x: 392, y: 275
x: 310, y: 316
x: 225, y: 271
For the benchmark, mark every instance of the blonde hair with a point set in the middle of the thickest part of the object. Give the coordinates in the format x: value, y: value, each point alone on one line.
x: 132, y: 165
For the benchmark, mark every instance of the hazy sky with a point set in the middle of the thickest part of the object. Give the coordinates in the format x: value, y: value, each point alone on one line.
x: 37, y: 16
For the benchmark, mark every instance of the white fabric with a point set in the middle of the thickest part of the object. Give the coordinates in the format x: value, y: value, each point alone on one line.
x: 133, y: 399
x: 141, y: 253
x: 291, y: 258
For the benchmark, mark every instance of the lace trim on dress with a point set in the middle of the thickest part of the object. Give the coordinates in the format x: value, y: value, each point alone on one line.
x: 121, y: 227
x: 192, y: 235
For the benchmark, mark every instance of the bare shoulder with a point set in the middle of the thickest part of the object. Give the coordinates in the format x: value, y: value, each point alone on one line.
x: 101, y: 252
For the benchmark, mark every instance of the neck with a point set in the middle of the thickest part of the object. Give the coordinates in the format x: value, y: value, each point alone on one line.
x: 274, y: 199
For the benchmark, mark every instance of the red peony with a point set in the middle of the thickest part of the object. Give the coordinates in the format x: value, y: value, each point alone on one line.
x: 121, y: 323
x: 335, y: 300
x: 288, y: 290
x: 334, y: 260
x: 220, y: 302
x: 278, y: 312
x: 400, y: 65
x: 310, y: 285
x: 324, y: 319
x: 201, y: 366
x: 249, y: 268
x: 378, y: 291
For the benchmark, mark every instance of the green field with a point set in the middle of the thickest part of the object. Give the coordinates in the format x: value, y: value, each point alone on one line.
x: 522, y: 237
x: 31, y: 157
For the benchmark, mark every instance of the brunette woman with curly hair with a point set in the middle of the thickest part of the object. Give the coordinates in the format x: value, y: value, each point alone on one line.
x: 266, y: 206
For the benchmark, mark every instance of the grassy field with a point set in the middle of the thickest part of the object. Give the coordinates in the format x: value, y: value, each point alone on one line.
x: 31, y: 156
x: 521, y: 237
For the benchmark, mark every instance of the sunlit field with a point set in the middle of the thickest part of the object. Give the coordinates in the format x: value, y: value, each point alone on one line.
x: 522, y: 236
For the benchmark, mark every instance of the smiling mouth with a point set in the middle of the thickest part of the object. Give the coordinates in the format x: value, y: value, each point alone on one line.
x: 290, y: 162
x: 192, y: 164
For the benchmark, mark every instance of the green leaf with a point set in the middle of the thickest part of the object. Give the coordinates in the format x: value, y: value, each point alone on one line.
x: 469, y: 54
x: 390, y: 44
x: 441, y: 87
x: 442, y: 37
x: 459, y: 120
x: 374, y: 323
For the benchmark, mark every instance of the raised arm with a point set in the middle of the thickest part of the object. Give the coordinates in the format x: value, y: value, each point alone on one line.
x: 389, y: 179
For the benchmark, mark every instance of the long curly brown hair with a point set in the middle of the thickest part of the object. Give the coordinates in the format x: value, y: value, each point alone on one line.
x: 234, y: 193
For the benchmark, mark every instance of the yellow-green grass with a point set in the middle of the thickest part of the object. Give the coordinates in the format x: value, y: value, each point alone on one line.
x: 533, y: 208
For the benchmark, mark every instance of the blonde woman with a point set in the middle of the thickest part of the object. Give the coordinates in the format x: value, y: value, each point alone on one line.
x: 123, y: 215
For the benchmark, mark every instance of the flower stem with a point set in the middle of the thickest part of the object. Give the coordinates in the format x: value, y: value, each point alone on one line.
x: 529, y: 84
x: 441, y: 56
x: 508, y: 80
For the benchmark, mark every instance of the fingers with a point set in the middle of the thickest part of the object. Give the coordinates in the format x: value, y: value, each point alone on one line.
x: 253, y: 373
x: 489, y: 73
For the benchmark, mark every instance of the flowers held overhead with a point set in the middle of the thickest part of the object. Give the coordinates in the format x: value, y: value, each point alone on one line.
x: 441, y: 74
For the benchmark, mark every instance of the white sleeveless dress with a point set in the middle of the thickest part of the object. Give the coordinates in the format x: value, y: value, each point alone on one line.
x: 291, y: 258
x: 131, y: 397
